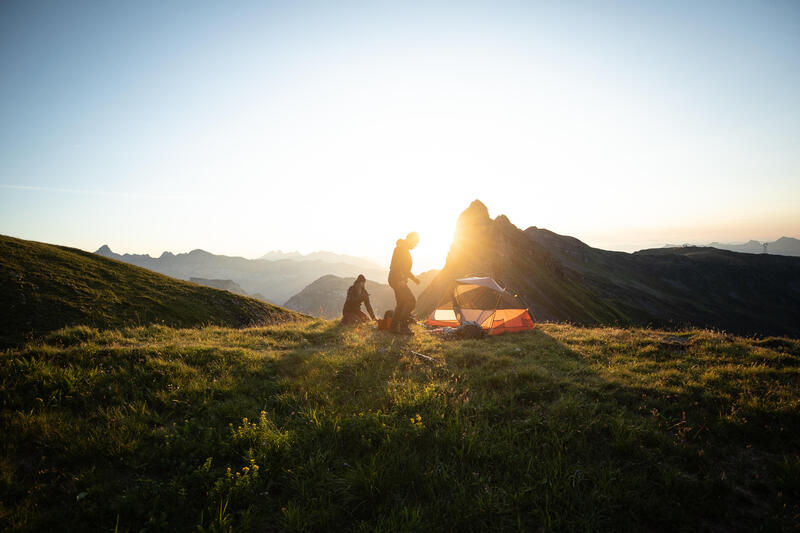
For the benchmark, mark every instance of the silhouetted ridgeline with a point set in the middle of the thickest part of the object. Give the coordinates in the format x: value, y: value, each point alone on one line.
x: 276, y: 281
x: 564, y: 279
x: 783, y: 246
x: 321, y: 255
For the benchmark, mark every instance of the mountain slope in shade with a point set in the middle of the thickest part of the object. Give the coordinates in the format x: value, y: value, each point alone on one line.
x: 45, y: 287
x: 325, y: 297
x: 783, y: 246
x: 275, y: 280
x: 564, y: 279
x: 222, y: 284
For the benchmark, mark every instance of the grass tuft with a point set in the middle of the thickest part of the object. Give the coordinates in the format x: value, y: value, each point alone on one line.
x: 309, y: 426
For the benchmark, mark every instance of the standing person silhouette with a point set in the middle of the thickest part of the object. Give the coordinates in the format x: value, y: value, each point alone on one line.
x: 399, y: 274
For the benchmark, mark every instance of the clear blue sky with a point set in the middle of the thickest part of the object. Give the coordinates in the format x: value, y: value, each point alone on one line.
x: 241, y: 127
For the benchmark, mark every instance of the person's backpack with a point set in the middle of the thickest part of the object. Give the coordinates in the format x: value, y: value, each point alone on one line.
x: 470, y: 330
x: 467, y: 330
x: 385, y: 322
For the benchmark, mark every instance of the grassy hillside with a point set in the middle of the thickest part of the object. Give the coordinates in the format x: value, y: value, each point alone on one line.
x: 306, y: 426
x: 45, y: 287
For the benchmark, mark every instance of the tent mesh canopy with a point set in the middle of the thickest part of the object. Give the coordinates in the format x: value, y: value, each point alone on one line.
x: 484, y: 301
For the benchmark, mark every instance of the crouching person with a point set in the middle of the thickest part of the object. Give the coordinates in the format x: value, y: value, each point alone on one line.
x: 356, y: 295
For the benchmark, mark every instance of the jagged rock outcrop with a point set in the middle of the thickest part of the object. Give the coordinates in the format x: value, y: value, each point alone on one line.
x: 497, y: 248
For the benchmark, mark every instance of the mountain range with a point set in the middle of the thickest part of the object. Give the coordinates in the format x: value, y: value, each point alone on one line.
x: 276, y: 281
x: 325, y: 297
x: 783, y: 246
x: 565, y: 280
x: 321, y: 255
x: 561, y: 278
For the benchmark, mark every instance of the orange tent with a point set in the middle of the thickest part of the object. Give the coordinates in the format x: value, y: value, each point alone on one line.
x: 485, y: 302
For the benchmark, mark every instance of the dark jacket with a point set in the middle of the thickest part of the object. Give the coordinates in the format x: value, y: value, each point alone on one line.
x: 400, y: 269
x: 356, y: 295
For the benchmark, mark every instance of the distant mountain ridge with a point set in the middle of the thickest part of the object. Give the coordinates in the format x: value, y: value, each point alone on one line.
x: 783, y: 246
x: 276, y: 281
x: 320, y: 255
x: 45, y: 287
x: 325, y: 297
x: 563, y: 279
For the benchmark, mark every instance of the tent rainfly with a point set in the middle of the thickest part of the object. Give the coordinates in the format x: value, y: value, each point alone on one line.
x: 484, y: 301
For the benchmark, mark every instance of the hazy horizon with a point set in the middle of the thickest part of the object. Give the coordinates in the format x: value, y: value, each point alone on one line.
x: 384, y: 261
x: 258, y: 126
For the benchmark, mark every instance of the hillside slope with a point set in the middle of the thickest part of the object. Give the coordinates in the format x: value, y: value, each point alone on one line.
x: 325, y: 297
x: 564, y: 279
x: 221, y: 284
x: 45, y: 287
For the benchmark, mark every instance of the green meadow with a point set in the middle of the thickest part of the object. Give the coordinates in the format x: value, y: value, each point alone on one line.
x: 307, y: 426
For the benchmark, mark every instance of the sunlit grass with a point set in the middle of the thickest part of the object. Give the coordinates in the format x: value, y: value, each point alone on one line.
x: 308, y: 426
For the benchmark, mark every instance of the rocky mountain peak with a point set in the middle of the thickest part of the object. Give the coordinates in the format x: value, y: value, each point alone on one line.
x: 483, y: 246
x: 503, y: 221
x: 477, y: 212
x: 472, y: 224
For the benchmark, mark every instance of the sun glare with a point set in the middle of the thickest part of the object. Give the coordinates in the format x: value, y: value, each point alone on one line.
x: 323, y: 143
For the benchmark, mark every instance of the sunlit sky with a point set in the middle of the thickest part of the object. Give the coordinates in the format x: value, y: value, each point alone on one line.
x: 244, y: 127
